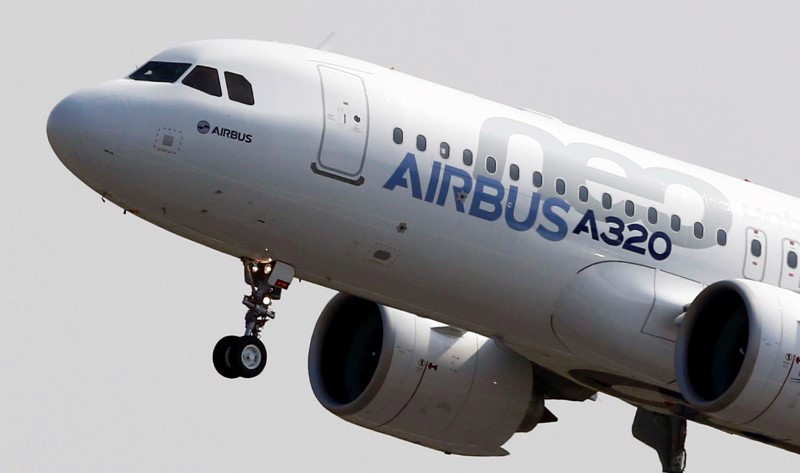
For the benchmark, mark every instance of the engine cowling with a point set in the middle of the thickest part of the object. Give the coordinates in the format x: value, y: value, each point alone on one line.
x: 737, y: 355
x: 420, y: 380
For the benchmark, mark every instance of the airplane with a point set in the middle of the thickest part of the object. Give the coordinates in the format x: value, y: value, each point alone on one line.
x: 488, y: 258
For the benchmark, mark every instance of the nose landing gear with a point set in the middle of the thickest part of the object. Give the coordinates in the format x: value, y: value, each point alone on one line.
x: 246, y: 356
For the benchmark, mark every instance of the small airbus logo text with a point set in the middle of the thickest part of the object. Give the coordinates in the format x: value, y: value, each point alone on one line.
x: 232, y: 134
x: 203, y: 127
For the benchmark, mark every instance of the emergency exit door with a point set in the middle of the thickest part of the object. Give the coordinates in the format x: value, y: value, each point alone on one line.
x: 345, y: 126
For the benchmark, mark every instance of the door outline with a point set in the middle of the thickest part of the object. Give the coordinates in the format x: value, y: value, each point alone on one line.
x: 361, y: 118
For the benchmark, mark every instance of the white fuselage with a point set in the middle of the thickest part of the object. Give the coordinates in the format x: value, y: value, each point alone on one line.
x: 312, y: 175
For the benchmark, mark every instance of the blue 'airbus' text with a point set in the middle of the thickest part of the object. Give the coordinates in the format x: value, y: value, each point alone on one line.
x: 489, y: 202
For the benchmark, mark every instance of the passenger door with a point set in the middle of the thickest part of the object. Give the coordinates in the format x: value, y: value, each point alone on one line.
x: 345, y: 126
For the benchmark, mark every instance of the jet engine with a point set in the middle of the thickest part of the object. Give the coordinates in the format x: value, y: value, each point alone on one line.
x: 737, y: 356
x: 419, y: 380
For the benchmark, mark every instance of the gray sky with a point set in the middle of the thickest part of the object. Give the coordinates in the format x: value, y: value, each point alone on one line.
x: 107, y: 322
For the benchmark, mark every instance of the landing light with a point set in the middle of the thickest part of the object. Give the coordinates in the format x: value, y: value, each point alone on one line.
x: 267, y: 300
x: 267, y: 269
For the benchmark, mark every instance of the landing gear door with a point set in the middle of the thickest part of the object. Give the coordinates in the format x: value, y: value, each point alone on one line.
x: 790, y: 277
x: 345, y: 126
x: 755, y: 254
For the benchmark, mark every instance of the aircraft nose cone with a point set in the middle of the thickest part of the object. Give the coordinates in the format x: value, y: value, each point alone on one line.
x: 85, y: 130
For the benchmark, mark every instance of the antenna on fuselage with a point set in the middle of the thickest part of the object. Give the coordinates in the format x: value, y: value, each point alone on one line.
x: 326, y: 44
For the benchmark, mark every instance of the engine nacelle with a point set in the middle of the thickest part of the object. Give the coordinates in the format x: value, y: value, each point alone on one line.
x: 737, y: 356
x: 420, y: 380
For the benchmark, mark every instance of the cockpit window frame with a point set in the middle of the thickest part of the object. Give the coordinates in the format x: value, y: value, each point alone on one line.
x: 159, y: 71
x: 210, y: 84
x: 239, y: 88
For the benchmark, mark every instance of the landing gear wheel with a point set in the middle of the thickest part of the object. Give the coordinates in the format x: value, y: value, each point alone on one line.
x: 221, y: 357
x: 248, y: 356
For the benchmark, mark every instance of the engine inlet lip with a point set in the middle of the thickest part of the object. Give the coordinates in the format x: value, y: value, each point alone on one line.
x: 700, y: 304
x: 315, y: 354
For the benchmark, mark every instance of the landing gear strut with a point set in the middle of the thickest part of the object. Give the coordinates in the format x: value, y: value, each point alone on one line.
x: 246, y: 356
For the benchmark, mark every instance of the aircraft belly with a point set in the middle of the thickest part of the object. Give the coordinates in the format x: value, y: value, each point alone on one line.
x: 433, y: 266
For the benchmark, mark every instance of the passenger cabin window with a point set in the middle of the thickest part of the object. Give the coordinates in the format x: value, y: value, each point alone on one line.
x: 675, y: 223
x: 514, y: 172
x: 722, y: 237
x: 583, y: 194
x: 755, y: 248
x: 607, y: 201
x: 422, y: 143
x: 397, y: 136
x: 205, y: 79
x: 468, y: 157
x: 791, y: 260
x: 630, y: 208
x: 698, y: 230
x: 652, y: 215
x: 561, y: 186
x: 538, y: 179
x: 239, y: 88
x: 159, y: 71
x: 444, y: 150
x: 491, y: 164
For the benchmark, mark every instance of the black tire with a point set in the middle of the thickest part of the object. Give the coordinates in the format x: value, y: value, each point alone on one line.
x: 222, y: 355
x: 248, y: 356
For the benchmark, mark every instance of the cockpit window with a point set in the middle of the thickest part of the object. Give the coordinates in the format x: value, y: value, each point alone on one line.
x: 204, y: 79
x: 158, y: 71
x: 239, y: 88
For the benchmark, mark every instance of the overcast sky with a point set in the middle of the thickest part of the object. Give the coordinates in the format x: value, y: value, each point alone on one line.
x: 107, y: 322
